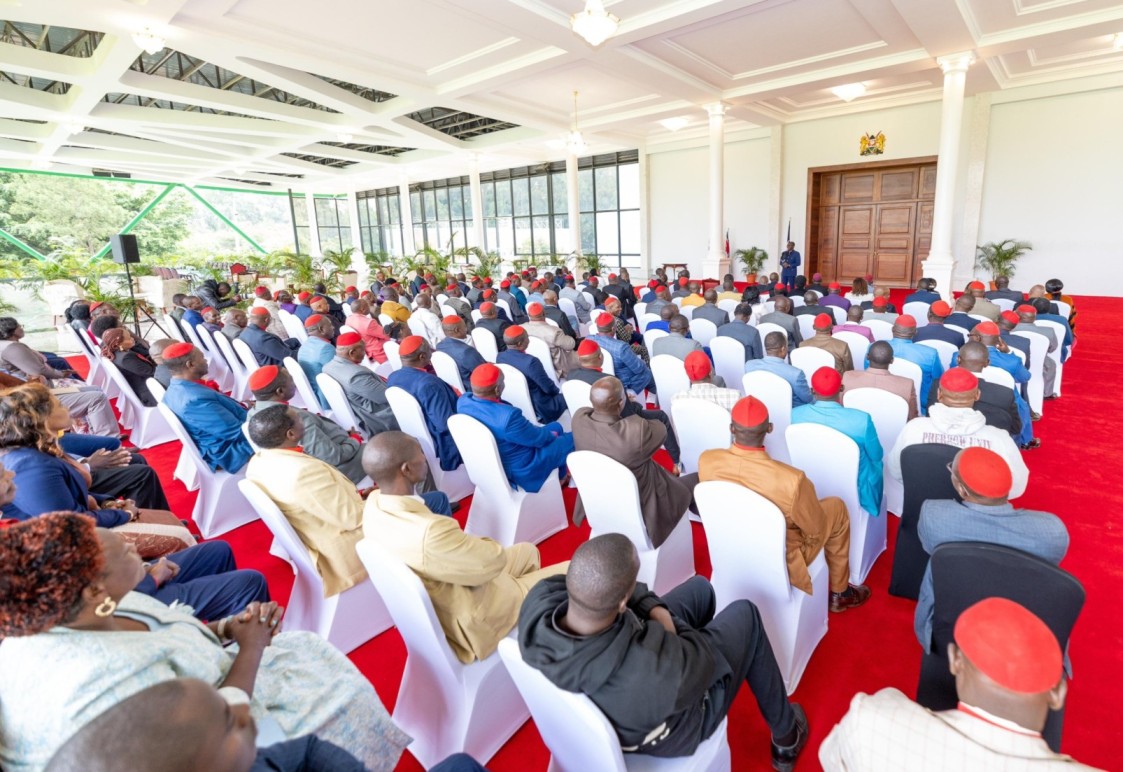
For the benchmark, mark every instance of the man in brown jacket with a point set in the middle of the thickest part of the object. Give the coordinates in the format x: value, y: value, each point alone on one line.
x: 879, y: 377
x: 663, y: 497
x: 823, y: 338
x: 562, y: 347
x: 813, y: 524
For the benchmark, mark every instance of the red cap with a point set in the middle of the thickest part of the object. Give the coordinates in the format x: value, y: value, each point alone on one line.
x: 263, y: 377
x: 207, y: 308
x: 823, y: 322
x: 826, y: 381
x: 985, y: 472
x: 976, y: 285
x: 489, y: 281
x: 350, y: 289
x: 304, y: 296
x: 535, y: 285
x: 410, y: 345
x: 504, y: 284
x: 749, y: 412
x: 834, y: 285
x: 485, y: 376
x: 260, y: 291
x: 513, y: 332
x: 783, y: 287
x: 1025, y: 308
x: 177, y: 350
x: 313, y: 320
x: 348, y: 339
x: 987, y: 328
x: 605, y: 319
x: 940, y: 308
x: 880, y: 302
x: 660, y: 288
x: 365, y: 294
x: 487, y: 308
x: 526, y: 274
x: 259, y: 311
x: 451, y: 287
x: 905, y: 320
x: 611, y: 276
x: 959, y: 380
x: 487, y: 293
x: 1011, y: 317
x: 698, y: 366
x: 450, y: 319
x: 587, y: 348
x: 682, y: 282
x: 653, y: 283
x: 534, y: 309
x: 1010, y: 646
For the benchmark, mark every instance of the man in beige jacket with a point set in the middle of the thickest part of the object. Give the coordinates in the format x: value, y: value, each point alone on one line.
x: 476, y: 585
x: 561, y: 345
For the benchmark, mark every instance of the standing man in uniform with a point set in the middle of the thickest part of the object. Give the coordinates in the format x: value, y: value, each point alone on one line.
x: 789, y: 264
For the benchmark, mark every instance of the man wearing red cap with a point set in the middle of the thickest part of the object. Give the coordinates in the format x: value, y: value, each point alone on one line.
x: 580, y: 302
x: 814, y: 525
x: 459, y: 305
x: 561, y: 345
x: 303, y: 308
x: 374, y: 336
x: 267, y: 348
x: 530, y: 454
x: 834, y: 297
x: 436, y: 398
x: 317, y: 350
x: 983, y: 480
x: 213, y: 420
x: 566, y: 323
x: 212, y: 319
x: 1006, y: 324
x: 457, y: 345
x: 491, y: 321
x: 1009, y: 674
x: 365, y: 391
x: 824, y: 339
x: 938, y: 313
x: 1027, y: 318
x: 983, y: 307
x: 827, y: 409
x: 630, y: 369
x: 705, y: 384
x: 954, y: 421
x: 545, y: 396
x: 619, y: 288
x: 924, y: 357
x: 662, y: 299
x: 962, y: 315
x: 518, y: 316
x: 880, y: 310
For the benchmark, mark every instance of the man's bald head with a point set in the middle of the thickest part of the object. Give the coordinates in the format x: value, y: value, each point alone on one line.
x: 880, y: 355
x: 1037, y: 291
x: 965, y: 303
x: 360, y: 306
x: 679, y: 324
x: 602, y: 575
x: 710, y: 296
x: 783, y: 304
x: 974, y: 356
x: 550, y: 298
x: 811, y: 298
x: 854, y: 314
x: 668, y: 312
x: 423, y: 300
x: 607, y: 396
x: 385, y: 455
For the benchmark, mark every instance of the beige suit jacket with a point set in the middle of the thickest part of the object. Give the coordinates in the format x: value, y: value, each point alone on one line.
x: 475, y: 584
x: 843, y: 361
x: 561, y: 346
x: 323, y: 508
x: 903, y: 387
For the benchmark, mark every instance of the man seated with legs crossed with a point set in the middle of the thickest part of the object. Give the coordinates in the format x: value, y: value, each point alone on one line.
x: 476, y: 585
x: 814, y: 524
x: 664, y: 671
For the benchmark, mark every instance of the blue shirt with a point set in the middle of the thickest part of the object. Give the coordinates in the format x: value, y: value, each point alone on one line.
x: 192, y: 317
x: 630, y: 369
x: 267, y: 348
x: 801, y: 394
x: 438, y: 401
x: 926, y: 357
x: 49, y: 484
x: 858, y: 426
x: 214, y: 422
x: 467, y: 358
x: 939, y: 332
x: 313, y: 354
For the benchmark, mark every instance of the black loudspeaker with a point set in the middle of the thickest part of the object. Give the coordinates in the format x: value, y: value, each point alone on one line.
x: 125, y: 249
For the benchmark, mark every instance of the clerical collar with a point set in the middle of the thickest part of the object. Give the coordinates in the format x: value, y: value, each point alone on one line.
x: 739, y: 446
x: 1001, y: 723
x: 295, y: 449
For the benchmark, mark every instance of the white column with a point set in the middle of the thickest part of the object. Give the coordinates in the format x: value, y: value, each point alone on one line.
x: 358, y: 262
x: 775, y: 199
x: 313, y: 227
x: 978, y: 139
x: 573, y: 202
x: 940, y: 264
x: 408, y: 247
x: 716, y: 264
x: 477, y: 202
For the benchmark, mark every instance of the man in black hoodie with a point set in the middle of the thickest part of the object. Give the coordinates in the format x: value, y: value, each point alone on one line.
x: 664, y: 671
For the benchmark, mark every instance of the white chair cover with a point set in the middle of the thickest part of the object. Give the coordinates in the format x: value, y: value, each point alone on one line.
x: 839, y: 314
x: 651, y: 336
x: 447, y: 370
x: 185, y: 467
x: 890, y: 413
x: 1038, y: 350
x: 997, y: 375
x: 809, y: 359
x: 485, y: 344
x: 292, y: 324
x: 1004, y: 303
x: 703, y: 331
x: 764, y: 328
x: 341, y: 411
x: 647, y: 319
x: 411, y: 420
x: 303, y: 386
x: 907, y: 369
x: 390, y: 348
x: 944, y: 349
x: 576, y: 395
x: 700, y: 425
x: 776, y: 394
x: 728, y: 306
x: 540, y: 350
x: 859, y: 346
x: 729, y: 360
x: 919, y: 311
x: 1058, y: 332
x: 149, y: 427
x: 806, y: 324
x: 517, y: 392
x: 245, y: 356
x: 881, y: 330
x: 670, y: 377
x: 241, y: 389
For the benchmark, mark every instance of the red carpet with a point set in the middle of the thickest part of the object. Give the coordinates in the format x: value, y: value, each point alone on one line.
x: 1074, y: 472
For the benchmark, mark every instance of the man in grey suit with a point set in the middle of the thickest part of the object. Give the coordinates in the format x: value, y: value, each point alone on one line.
x: 983, y: 480
x: 782, y: 315
x: 740, y: 329
x: 709, y: 310
x: 366, y: 392
x: 580, y: 302
x: 676, y: 343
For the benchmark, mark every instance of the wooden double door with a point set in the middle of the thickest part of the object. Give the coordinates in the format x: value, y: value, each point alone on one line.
x: 874, y: 219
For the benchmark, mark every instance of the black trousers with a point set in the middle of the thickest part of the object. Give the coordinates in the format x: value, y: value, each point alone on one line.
x: 737, y: 635
x: 137, y: 481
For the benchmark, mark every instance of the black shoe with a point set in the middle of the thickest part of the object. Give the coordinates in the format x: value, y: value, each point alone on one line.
x: 1033, y: 444
x: 784, y: 756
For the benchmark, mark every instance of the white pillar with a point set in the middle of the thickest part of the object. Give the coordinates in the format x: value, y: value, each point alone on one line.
x: 940, y: 264
x: 408, y: 247
x: 716, y: 264
x: 313, y: 226
x: 573, y: 202
x: 358, y: 262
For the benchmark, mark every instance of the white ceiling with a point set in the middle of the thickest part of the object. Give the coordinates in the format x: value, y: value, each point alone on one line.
x: 514, y: 61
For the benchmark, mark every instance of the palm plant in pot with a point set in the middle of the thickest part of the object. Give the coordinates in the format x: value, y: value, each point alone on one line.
x: 751, y: 259
x: 1000, y: 257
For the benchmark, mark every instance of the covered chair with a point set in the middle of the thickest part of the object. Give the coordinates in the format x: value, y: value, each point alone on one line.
x: 810, y: 359
x: 670, y: 377
x: 729, y: 360
x: 447, y: 370
x: 776, y: 394
x: 149, y: 427
x: 446, y: 706
x: 341, y: 411
x: 964, y: 573
x: 411, y: 420
x: 889, y: 413
x: 485, y: 344
x: 701, y: 425
x: 579, y: 736
x: 924, y: 469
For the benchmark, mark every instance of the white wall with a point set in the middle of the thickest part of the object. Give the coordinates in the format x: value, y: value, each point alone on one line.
x: 1054, y: 178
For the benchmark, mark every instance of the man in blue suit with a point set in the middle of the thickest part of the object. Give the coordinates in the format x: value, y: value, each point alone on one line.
x: 789, y: 264
x: 775, y: 361
x: 455, y: 344
x: 925, y: 292
x: 938, y: 313
x: 213, y: 420
x: 436, y: 398
x: 545, y: 395
x: 926, y: 357
x: 530, y: 454
x: 267, y: 348
x: 630, y: 369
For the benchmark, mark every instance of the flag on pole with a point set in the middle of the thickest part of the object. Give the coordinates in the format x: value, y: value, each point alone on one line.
x: 789, y: 231
x: 727, y: 242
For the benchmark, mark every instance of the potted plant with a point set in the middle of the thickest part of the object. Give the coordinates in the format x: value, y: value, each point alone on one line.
x: 751, y: 259
x: 336, y: 265
x: 1000, y: 257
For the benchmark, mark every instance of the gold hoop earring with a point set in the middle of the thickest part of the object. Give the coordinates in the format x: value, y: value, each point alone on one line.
x: 106, y: 607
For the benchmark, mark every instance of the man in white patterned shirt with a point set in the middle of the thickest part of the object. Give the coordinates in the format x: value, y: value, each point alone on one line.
x: 704, y: 384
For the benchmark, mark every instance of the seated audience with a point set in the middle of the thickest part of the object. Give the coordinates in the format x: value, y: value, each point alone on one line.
x: 561, y: 345
x: 998, y: 404
x: 998, y: 353
x: 824, y: 339
x: 925, y: 357
x: 664, y: 671
x: 834, y: 297
x: 676, y: 343
x: 630, y: 369
x: 212, y: 319
x: 623, y: 330
x: 361, y: 321
x: 67, y: 660
x: 545, y: 396
x: 1054, y: 289
x: 1041, y: 306
x: 938, y: 314
x: 668, y: 312
x: 424, y: 317
x: 827, y: 409
x: 117, y: 346
x: 458, y: 346
x: 162, y: 375
x: 983, y: 480
x: 436, y: 398
x: 234, y: 321
x: 983, y: 306
x: 316, y: 351
x: 961, y: 316
x: 860, y: 292
x: 263, y: 298
x: 459, y: 305
x: 782, y: 316
x: 925, y: 292
x: 365, y: 391
x: 728, y: 289
x: 580, y: 302
x: 561, y: 318
x: 880, y: 310
x: 267, y: 348
x: 1009, y: 674
x: 192, y: 314
x: 953, y: 421
x: 775, y: 361
x: 631, y: 440
x: 740, y: 330
x: 854, y: 324
x: 1002, y: 291
x: 877, y: 376
x: 709, y: 310
x: 392, y: 307
x: 704, y: 384
x: 529, y: 453
x: 213, y: 420
x: 811, y: 306
x: 493, y: 323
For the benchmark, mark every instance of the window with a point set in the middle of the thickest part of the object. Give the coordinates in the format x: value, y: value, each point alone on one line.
x: 300, y: 220
x: 609, y: 196
x: 333, y: 224
x: 380, y: 221
x: 442, y: 214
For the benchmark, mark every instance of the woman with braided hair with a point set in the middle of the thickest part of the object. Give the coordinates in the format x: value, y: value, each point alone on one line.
x: 78, y: 640
x: 117, y: 346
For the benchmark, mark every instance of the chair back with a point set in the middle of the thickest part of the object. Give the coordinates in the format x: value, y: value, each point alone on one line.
x: 481, y: 457
x: 703, y: 331
x: 925, y: 475
x: 576, y: 394
x: 701, y: 425
x: 1004, y: 304
x: 407, y: 412
x: 728, y: 306
x: 776, y: 394
x: 729, y: 360
x: 385, y: 320
x: 806, y: 324
x: 283, y: 532
x: 647, y: 319
x: 918, y: 309
x: 839, y: 314
x: 485, y: 344
x: 650, y: 336
x: 447, y: 370
x: 390, y: 348
x: 540, y: 350
x: 907, y: 369
x: 998, y: 376
x: 303, y: 386
x: 1038, y: 350
x: 292, y: 324
x: 568, y: 307
x: 670, y: 377
x: 829, y: 459
x: 589, y: 297
x: 687, y: 311
x: 979, y: 317
x: 341, y: 410
x: 881, y: 329
x: 610, y: 496
x: 193, y: 338
x: 506, y: 307
x: 1063, y: 308
x: 417, y: 326
x: 943, y: 348
x: 156, y: 389
x: 889, y: 412
x: 858, y: 345
x: 245, y: 355
x: 639, y: 309
x: 809, y: 359
x: 240, y: 390
x: 956, y: 328
x: 517, y: 392
x: 764, y: 328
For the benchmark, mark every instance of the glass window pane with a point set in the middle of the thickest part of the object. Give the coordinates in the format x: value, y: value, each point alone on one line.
x: 629, y: 232
x: 491, y: 235
x: 563, y: 239
x: 588, y: 234
x: 415, y: 206
x: 394, y: 209
x: 629, y: 186
x: 539, y: 195
x: 382, y: 213
x: 329, y: 238
x: 608, y: 236
x: 542, y: 235
x: 559, y: 192
x: 456, y: 202
x: 520, y: 195
x: 503, y: 198
x: 345, y: 239
x: 487, y: 193
x: 467, y: 189
x: 506, y: 237
x: 442, y: 203
x: 300, y: 210
x: 325, y: 212
x: 364, y: 211
x: 429, y: 198
x: 395, y: 241
x: 524, y: 236
x: 606, y: 187
x: 302, y: 239
x: 585, y: 190
x: 419, y: 236
x: 631, y: 261
x: 444, y: 233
